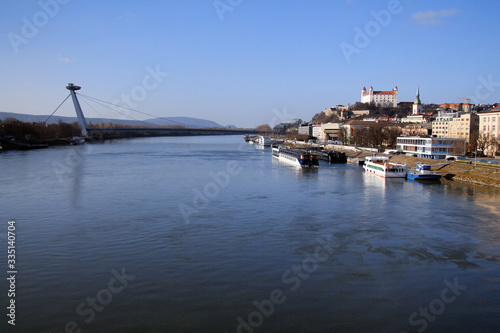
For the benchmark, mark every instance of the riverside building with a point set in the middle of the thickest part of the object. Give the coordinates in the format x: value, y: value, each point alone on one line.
x: 489, y: 123
x: 430, y: 147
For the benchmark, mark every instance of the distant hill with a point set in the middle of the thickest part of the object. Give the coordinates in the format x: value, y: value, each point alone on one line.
x: 186, y: 121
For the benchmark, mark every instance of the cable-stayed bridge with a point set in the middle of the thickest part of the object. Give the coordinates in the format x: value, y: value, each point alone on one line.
x: 179, y: 129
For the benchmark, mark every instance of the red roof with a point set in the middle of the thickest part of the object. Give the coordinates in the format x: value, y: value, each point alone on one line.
x: 387, y: 92
x: 450, y: 105
x: 497, y: 108
x: 383, y: 92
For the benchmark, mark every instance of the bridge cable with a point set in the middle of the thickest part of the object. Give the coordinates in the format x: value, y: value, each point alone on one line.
x: 123, y: 114
x: 93, y: 108
x: 147, y: 114
x: 45, y: 122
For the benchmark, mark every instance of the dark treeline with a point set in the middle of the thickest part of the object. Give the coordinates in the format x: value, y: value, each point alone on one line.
x: 38, y: 131
x: 382, y: 110
x: 375, y: 135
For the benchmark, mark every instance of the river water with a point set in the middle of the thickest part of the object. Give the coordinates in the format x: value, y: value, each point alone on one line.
x: 210, y: 234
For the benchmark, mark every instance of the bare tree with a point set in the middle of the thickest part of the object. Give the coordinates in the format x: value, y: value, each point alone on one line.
x: 376, y: 135
x: 343, y: 135
x: 459, y: 148
x: 473, y: 139
x: 360, y: 136
x: 264, y: 128
x: 484, y: 142
x: 391, y: 134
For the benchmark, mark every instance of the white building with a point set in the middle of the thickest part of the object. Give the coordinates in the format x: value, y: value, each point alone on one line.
x: 317, y: 132
x: 330, y: 131
x: 305, y: 129
x: 380, y: 98
x: 440, y: 124
x: 415, y: 119
x: 489, y: 127
x: 430, y: 147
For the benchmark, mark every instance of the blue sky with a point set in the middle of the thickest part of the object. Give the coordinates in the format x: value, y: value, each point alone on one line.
x: 244, y: 62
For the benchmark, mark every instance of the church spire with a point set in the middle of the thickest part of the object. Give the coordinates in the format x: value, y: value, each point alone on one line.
x: 417, y: 100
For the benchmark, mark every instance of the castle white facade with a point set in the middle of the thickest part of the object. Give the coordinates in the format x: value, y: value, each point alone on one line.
x: 380, y: 98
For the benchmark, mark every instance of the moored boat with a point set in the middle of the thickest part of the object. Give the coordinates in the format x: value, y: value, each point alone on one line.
x: 380, y: 166
x: 423, y: 172
x: 298, y: 157
x: 332, y: 156
x: 76, y: 141
x: 264, y: 141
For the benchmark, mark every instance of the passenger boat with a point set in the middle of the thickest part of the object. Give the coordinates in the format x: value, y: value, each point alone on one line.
x: 423, y: 172
x: 380, y: 166
x: 298, y: 157
x: 264, y: 141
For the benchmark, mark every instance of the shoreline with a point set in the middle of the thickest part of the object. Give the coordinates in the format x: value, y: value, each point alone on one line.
x: 457, y: 170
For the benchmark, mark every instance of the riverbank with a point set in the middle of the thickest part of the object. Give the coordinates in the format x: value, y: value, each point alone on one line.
x: 481, y: 174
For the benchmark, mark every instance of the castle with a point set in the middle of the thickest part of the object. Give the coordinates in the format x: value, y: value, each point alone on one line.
x: 380, y: 98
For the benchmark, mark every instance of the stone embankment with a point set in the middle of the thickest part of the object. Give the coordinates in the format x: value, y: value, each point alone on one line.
x: 481, y: 173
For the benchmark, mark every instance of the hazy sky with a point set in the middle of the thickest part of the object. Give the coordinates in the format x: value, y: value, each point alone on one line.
x: 244, y: 62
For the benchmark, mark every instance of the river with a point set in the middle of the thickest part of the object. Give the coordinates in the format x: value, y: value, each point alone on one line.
x: 210, y: 234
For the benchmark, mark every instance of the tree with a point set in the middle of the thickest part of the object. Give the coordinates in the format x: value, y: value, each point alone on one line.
x: 484, y: 142
x: 459, y: 148
x: 391, y: 134
x: 362, y: 106
x: 376, y: 135
x: 264, y: 128
x: 360, y: 137
x: 473, y: 139
x: 343, y: 135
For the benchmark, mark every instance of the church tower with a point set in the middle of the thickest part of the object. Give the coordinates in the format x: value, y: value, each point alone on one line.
x: 417, y: 105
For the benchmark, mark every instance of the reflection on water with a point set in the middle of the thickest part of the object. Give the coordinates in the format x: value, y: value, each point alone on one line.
x: 389, y: 244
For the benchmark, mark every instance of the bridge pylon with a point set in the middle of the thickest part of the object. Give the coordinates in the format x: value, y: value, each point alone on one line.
x: 81, y: 118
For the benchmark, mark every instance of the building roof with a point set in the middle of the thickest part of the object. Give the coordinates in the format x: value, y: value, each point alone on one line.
x: 382, y: 92
x: 451, y: 105
x: 359, y: 122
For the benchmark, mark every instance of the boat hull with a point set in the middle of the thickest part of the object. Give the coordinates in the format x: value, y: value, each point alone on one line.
x: 378, y: 169
x: 294, y: 159
x: 415, y: 176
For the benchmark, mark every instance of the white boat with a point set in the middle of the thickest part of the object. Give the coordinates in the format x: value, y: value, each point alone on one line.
x: 297, y: 157
x: 423, y: 172
x: 76, y: 140
x: 380, y: 166
x: 264, y: 141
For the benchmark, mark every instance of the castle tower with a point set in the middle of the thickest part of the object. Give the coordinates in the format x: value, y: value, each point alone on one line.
x: 417, y: 105
x: 395, y: 96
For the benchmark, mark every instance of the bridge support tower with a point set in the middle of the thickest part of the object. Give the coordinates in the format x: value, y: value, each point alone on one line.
x: 81, y: 119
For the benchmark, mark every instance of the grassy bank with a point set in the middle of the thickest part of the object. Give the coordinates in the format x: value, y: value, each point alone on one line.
x: 482, y: 173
